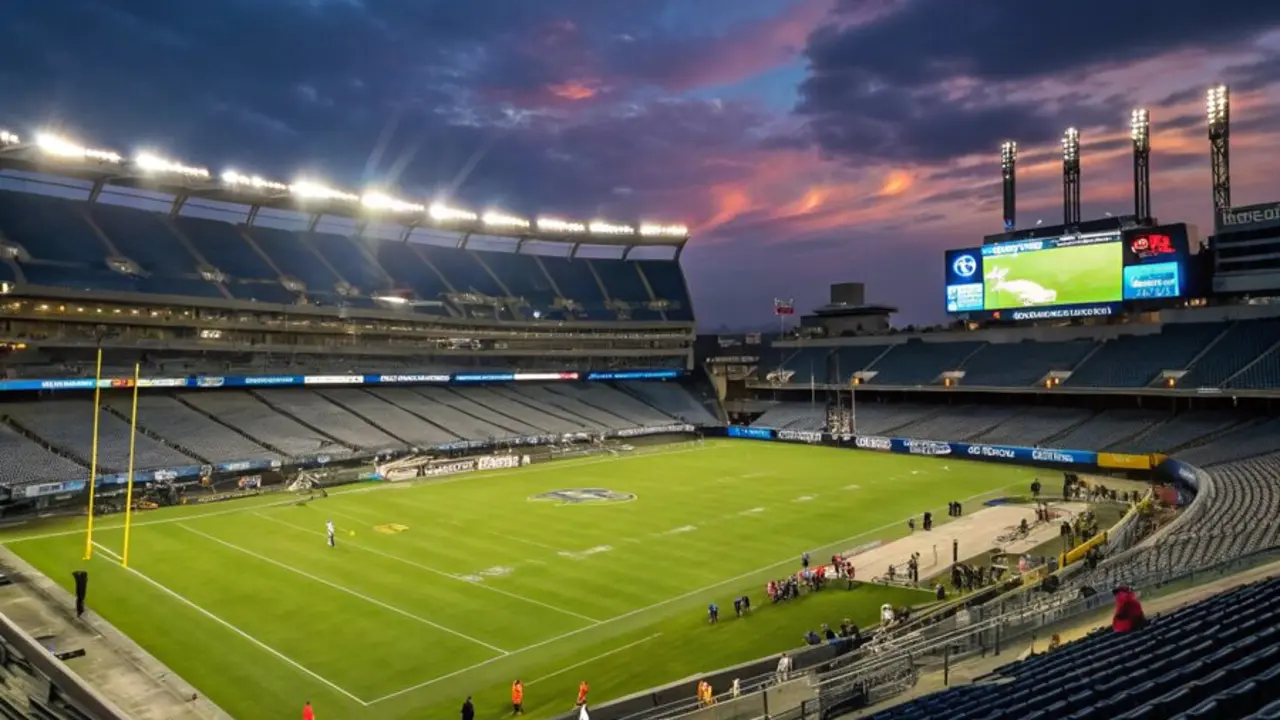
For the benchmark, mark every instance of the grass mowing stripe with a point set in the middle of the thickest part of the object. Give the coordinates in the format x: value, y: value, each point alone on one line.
x: 340, y: 588
x: 399, y: 485
x: 590, y: 660
x: 432, y: 570
x: 276, y: 653
x: 662, y: 603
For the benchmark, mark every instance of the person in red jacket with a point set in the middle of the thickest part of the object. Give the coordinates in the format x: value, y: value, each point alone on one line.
x: 307, y: 712
x: 1128, y: 615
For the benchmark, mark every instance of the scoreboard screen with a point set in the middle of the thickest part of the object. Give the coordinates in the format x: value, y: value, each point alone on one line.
x: 1068, y: 276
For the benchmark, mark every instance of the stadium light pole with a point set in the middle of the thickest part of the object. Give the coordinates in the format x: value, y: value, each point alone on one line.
x: 1008, y: 166
x: 1071, y: 177
x: 1140, y: 131
x: 1218, y: 105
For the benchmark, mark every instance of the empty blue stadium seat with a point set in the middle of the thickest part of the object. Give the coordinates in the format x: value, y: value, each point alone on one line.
x: 221, y: 244
x: 1024, y: 363
x: 50, y: 228
x: 1262, y: 374
x: 267, y: 292
x: 1216, y: 658
x: 621, y: 280
x: 190, y: 286
x: 666, y: 279
x: 462, y: 270
x: 408, y: 269
x: 1239, y: 347
x: 576, y: 282
x: 143, y: 237
x: 920, y: 363
x: 78, y: 278
x: 349, y: 260
x: 1136, y: 360
x: 522, y: 276
x: 854, y: 358
x: 294, y: 258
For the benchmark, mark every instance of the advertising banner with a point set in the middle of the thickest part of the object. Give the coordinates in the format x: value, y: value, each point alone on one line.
x: 750, y: 433
x: 1122, y: 461
x: 217, y: 381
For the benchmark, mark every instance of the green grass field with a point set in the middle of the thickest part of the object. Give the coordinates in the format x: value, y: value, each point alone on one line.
x: 482, y: 585
x: 1081, y: 274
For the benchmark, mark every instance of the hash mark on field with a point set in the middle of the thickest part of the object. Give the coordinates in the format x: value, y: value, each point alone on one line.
x: 681, y: 530
x: 586, y: 553
x: 806, y: 498
x: 427, y: 568
x: 340, y: 588
x: 752, y: 511
x: 852, y: 487
x: 183, y: 599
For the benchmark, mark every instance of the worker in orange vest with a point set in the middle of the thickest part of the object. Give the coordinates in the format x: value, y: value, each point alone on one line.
x: 517, y: 698
x: 583, y: 688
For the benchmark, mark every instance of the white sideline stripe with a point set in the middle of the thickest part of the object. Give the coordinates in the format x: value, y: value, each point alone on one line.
x: 278, y: 655
x: 590, y: 660
x: 340, y: 588
x: 402, y: 485
x: 429, y: 569
x: 661, y: 603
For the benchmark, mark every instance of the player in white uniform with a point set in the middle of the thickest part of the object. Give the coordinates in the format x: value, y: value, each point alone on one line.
x: 328, y: 526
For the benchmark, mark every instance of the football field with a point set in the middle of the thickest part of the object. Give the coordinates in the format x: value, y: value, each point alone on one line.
x: 598, y: 569
x: 1078, y: 275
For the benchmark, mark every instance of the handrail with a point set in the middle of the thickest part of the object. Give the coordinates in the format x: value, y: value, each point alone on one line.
x: 69, y: 685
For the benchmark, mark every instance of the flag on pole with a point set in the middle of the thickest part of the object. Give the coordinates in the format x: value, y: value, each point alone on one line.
x: 784, y: 307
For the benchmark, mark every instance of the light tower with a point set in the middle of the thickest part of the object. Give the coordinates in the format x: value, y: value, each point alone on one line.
x: 1218, y: 103
x: 1071, y: 177
x: 1140, y: 130
x: 1008, y: 164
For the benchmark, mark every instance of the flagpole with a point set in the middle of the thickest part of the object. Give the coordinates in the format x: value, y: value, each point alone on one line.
x: 93, y: 455
x: 133, y: 437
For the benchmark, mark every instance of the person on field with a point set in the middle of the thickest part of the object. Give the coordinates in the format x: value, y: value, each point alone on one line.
x: 583, y: 689
x: 468, y: 710
x: 517, y: 698
x: 307, y: 712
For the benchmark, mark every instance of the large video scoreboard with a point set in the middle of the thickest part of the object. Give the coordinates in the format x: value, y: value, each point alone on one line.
x: 1081, y: 275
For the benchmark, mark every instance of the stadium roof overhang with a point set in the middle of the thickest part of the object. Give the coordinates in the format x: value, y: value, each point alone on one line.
x: 254, y: 193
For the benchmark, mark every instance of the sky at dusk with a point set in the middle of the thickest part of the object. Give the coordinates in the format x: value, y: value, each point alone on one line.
x: 804, y: 141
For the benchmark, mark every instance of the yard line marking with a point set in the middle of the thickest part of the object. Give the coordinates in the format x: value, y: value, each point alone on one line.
x: 400, y: 485
x: 183, y: 599
x: 590, y: 660
x: 340, y: 588
x: 661, y: 603
x: 441, y: 573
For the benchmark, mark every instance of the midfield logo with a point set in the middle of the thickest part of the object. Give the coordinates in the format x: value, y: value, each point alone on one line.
x: 578, y: 496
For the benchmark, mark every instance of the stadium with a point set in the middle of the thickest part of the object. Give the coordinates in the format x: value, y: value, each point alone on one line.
x: 267, y: 444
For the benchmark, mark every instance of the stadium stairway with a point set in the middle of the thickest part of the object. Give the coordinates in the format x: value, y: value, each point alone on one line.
x: 1219, y: 658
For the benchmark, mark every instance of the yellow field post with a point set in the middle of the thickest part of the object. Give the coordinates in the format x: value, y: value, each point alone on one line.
x: 133, y: 437
x: 93, y: 455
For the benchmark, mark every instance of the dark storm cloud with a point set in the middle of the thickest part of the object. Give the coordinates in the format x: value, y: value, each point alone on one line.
x: 361, y: 88
x: 885, y: 88
x: 927, y: 41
